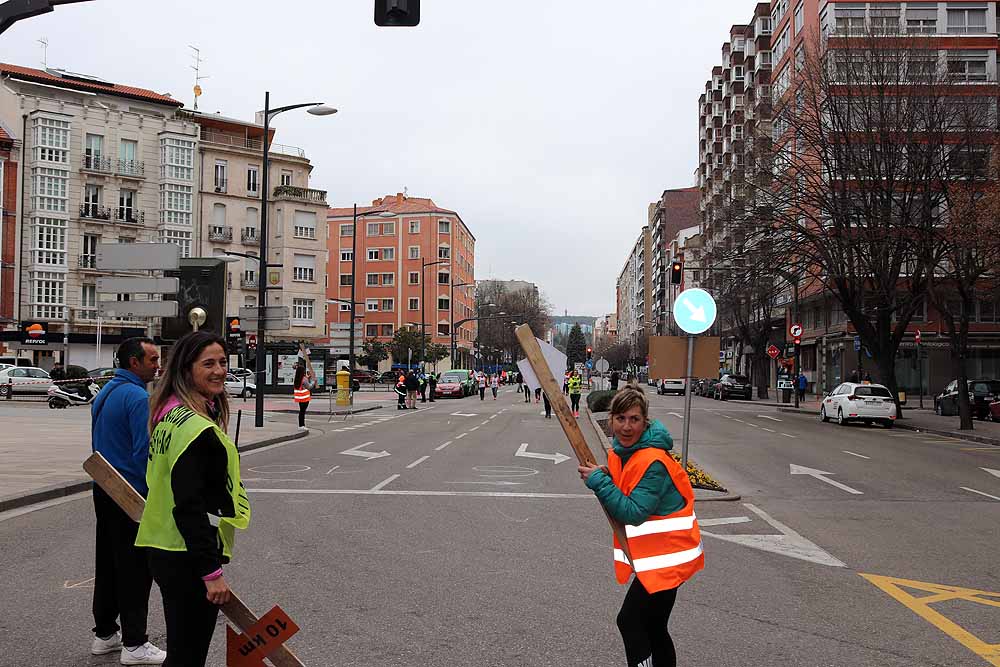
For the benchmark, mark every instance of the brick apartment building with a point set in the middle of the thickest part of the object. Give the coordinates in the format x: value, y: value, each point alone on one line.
x: 394, y: 273
x: 8, y: 226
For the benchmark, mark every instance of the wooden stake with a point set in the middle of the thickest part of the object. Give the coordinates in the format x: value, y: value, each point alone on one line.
x: 116, y: 486
x: 566, y: 419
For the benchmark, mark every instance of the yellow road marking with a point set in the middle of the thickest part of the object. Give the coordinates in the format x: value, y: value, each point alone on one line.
x: 921, y: 606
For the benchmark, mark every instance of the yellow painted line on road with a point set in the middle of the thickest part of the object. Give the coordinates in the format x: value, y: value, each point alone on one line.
x: 921, y: 606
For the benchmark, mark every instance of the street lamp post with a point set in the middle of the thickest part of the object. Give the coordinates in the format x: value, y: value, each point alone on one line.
x: 316, y: 109
x: 423, y: 306
x: 451, y: 316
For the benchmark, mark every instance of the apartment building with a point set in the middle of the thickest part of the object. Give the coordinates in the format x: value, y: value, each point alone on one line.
x: 417, y: 265
x: 635, y: 294
x: 675, y: 210
x: 605, y: 331
x: 99, y: 162
x: 229, y: 212
x: 9, y: 175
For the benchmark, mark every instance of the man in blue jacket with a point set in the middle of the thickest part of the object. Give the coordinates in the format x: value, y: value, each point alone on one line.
x: 120, y: 432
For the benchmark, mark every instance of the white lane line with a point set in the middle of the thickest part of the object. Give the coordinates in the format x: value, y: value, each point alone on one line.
x: 727, y: 416
x: 774, y: 419
x: 474, y: 428
x: 383, y: 483
x: 860, y: 456
x: 980, y: 493
x: 739, y: 420
x: 724, y: 521
x: 674, y: 414
x: 493, y: 416
x: 485, y: 422
x: 750, y: 424
x: 440, y: 447
x: 380, y: 492
x: 768, y: 429
x: 418, y: 462
x: 332, y: 469
x: 461, y: 436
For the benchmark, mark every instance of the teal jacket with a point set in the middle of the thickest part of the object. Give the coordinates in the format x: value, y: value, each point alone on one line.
x: 655, y: 494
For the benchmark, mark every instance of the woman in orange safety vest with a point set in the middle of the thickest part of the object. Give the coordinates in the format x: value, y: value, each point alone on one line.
x: 647, y: 490
x: 300, y: 391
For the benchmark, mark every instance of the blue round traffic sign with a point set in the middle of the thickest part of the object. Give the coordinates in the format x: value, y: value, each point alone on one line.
x: 695, y: 311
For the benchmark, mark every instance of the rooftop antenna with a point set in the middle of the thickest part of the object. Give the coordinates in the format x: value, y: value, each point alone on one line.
x: 198, y: 76
x: 44, y: 41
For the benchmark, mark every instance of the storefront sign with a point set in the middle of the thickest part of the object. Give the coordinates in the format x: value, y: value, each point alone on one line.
x: 34, y: 333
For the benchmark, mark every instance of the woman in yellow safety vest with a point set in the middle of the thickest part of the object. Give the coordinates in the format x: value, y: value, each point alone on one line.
x: 300, y: 391
x: 196, y: 498
x: 647, y: 490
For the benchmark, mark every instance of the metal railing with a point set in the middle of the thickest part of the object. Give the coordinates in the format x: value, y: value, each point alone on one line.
x: 250, y: 237
x: 87, y: 261
x: 95, y: 212
x: 294, y: 193
x: 124, y: 214
x: 249, y: 283
x: 225, y: 234
x: 236, y: 141
x: 96, y: 163
x: 134, y: 168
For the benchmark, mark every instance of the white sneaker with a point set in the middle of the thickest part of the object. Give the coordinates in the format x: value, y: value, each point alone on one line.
x: 109, y: 645
x: 303, y: 428
x: 147, y: 654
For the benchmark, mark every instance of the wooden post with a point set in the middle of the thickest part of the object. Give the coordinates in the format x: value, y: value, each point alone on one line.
x: 566, y: 419
x: 116, y: 486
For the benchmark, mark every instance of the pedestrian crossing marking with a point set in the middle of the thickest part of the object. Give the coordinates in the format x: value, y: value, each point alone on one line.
x: 936, y: 593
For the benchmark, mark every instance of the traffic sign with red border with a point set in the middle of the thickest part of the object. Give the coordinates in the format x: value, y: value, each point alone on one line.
x: 795, y: 330
x: 773, y: 352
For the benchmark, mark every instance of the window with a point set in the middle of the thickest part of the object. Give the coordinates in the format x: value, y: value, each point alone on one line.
x: 444, y: 329
x: 388, y: 279
x: 221, y: 179
x: 373, y: 228
x: 414, y: 278
x: 717, y: 109
x: 177, y: 158
x: 444, y: 303
x: 93, y: 147
x: 183, y: 239
x: 850, y: 17
x: 347, y: 229
x: 413, y: 303
x: 388, y: 254
x: 302, y: 312
x: 47, y: 294
x: 286, y: 177
x: 444, y: 278
x: 764, y: 60
x: 344, y: 307
x: 175, y: 204
x: 921, y: 20
x: 49, y: 189
x: 371, y: 331
x: 444, y: 227
x: 388, y: 229
x: 444, y: 252
x: 738, y: 72
x: 127, y: 151
x: 800, y: 19
x: 126, y: 206
x: 373, y: 254
x: 88, y: 301
x: 987, y: 311
x: 92, y: 200
x: 764, y: 25
x: 51, y: 140
x: 387, y: 330
x: 739, y: 101
x: 414, y: 252
x: 371, y: 279
x: 388, y: 305
x: 88, y: 254
x: 781, y: 42
x: 252, y: 179
x: 346, y: 255
x: 885, y: 18
x: 304, y: 270
x: 971, y: 161
x: 304, y: 224
x: 922, y: 67
x: 414, y: 226
x: 49, y: 245
x: 967, y: 20
x: 346, y: 279
x: 371, y: 305
x: 967, y: 65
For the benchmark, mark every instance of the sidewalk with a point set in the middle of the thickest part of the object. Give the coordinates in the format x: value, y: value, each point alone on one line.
x: 42, y: 450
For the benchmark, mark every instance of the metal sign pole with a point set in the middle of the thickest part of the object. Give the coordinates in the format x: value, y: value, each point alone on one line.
x: 687, y: 403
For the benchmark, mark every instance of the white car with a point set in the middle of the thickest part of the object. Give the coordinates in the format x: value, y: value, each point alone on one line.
x: 671, y: 386
x: 851, y: 401
x: 24, y: 380
x: 236, y: 387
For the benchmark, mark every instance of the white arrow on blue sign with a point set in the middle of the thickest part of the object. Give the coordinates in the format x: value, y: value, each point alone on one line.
x: 695, y: 311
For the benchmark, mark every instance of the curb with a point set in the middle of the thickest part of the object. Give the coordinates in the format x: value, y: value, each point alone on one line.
x: 982, y: 439
x: 337, y: 413
x: 79, y: 486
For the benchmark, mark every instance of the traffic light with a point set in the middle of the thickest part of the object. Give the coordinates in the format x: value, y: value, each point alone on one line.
x: 589, y: 353
x: 797, y: 340
x: 676, y: 273
x: 397, y: 13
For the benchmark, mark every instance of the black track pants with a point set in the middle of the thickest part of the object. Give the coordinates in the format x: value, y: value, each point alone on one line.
x: 642, y: 622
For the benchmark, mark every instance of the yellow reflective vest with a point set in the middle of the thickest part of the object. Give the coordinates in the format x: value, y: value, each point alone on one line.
x: 575, y: 384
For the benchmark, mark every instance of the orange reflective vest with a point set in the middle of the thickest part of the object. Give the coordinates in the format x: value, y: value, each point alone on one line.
x: 666, y: 550
x: 301, y: 394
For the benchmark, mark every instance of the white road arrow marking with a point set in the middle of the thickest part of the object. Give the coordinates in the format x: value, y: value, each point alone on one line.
x: 724, y: 521
x: 556, y: 458
x: 86, y: 583
x: 675, y: 414
x: 697, y: 313
x: 819, y: 474
x: 774, y: 419
x: 979, y: 492
x: 860, y: 456
x: 789, y: 543
x: 995, y: 473
x: 356, y: 451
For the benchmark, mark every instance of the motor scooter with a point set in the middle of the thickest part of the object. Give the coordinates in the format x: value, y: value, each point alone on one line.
x: 60, y: 398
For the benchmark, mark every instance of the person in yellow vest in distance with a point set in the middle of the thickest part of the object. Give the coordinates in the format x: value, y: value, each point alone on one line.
x: 196, y: 499
x: 644, y: 488
x: 301, y: 386
x: 575, y: 384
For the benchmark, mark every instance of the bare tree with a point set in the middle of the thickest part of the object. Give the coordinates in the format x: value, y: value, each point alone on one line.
x: 749, y: 303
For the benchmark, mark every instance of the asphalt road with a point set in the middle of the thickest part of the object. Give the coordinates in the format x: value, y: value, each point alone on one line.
x: 450, y: 548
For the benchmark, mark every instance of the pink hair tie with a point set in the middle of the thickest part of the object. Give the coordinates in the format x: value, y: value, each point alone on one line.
x: 213, y: 576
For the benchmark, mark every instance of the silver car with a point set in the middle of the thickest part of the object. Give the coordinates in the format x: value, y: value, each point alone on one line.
x: 24, y: 380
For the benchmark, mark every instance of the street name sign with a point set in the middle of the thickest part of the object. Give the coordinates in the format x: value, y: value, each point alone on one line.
x: 269, y: 325
x: 695, y: 311
x: 270, y: 313
x: 137, y: 308
x: 138, y: 285
x: 138, y: 256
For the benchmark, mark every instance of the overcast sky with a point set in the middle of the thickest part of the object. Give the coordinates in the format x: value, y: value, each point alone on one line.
x: 549, y: 125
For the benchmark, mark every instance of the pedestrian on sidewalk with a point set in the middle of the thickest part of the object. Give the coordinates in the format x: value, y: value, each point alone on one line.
x: 647, y: 490
x: 615, y: 379
x: 494, y: 386
x: 301, y: 392
x: 423, y: 387
x: 122, y: 580
x: 548, y: 407
x: 575, y: 390
x: 802, y: 382
x: 401, y: 393
x: 196, y: 498
x: 482, y: 386
x: 527, y: 393
x: 432, y: 383
x: 566, y: 383
x: 538, y: 394
x: 412, y: 384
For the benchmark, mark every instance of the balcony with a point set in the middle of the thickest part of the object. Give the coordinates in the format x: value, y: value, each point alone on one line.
x: 130, y: 215
x: 95, y: 212
x: 240, y: 141
x: 87, y: 261
x: 96, y: 163
x: 220, y: 234
x: 305, y: 195
x: 131, y: 168
x: 249, y: 283
x: 250, y: 237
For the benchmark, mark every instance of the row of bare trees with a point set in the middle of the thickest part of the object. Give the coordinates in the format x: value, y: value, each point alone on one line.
x: 499, y: 308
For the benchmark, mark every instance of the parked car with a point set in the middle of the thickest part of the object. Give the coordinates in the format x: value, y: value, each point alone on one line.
x: 707, y: 387
x: 24, y: 380
x: 241, y: 372
x: 994, y: 413
x: 733, y: 386
x: 671, y: 386
x: 16, y: 361
x: 868, y: 403
x: 389, y: 377
x: 362, y: 376
x: 457, y: 383
x: 982, y: 393
x: 235, y: 386
x: 103, y: 371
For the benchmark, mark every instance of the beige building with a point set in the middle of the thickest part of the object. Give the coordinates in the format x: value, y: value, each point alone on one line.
x: 228, y: 220
x: 635, y: 293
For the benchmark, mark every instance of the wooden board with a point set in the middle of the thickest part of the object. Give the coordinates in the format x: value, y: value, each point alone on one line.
x: 566, y: 419
x: 668, y: 357
x: 132, y: 502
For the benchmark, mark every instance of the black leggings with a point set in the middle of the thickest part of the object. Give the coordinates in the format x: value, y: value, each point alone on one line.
x: 574, y: 400
x: 642, y: 622
x: 302, y: 413
x: 189, y: 616
x: 527, y: 394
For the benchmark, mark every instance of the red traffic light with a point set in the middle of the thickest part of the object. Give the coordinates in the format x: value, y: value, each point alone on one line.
x: 797, y: 340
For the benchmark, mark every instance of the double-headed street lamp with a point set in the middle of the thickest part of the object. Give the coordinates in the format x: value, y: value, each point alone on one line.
x: 423, y: 304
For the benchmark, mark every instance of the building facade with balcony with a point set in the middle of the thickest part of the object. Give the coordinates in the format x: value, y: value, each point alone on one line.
x: 394, y: 273
x: 229, y: 210
x: 100, y: 162
x: 675, y: 210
